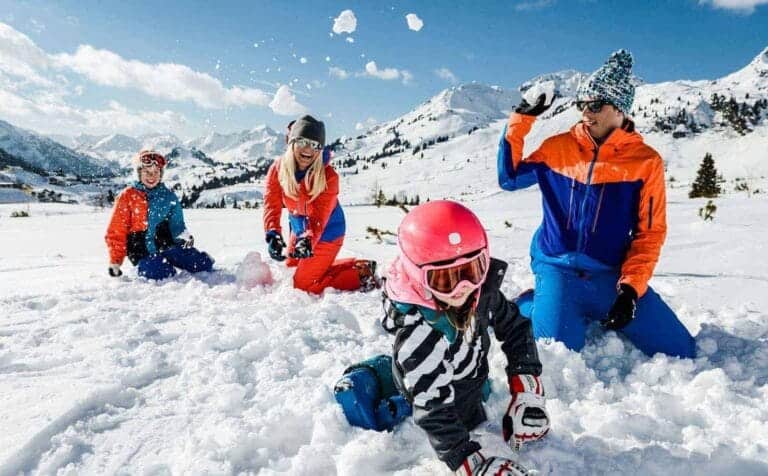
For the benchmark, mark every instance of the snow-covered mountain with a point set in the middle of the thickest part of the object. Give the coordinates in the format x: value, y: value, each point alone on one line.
x: 43, y: 153
x: 248, y: 146
x: 736, y: 103
x: 454, y: 111
x: 244, y: 146
x: 566, y: 82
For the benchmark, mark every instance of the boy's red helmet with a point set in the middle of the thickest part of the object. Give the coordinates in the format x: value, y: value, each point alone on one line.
x: 147, y: 157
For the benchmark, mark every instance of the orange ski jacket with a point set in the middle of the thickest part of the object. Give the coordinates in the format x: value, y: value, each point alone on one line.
x: 607, y: 202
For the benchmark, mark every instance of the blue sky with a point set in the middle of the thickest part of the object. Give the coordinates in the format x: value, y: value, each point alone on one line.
x: 196, y: 66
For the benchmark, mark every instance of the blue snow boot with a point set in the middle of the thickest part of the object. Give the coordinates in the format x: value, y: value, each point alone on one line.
x: 391, y: 411
x: 368, y: 395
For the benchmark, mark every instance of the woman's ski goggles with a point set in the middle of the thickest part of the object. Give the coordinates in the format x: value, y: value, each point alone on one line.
x: 452, y: 279
x: 301, y: 142
x: 148, y: 159
x: 593, y: 106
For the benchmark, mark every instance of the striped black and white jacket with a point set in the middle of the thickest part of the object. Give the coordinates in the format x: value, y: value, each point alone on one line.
x: 442, y: 372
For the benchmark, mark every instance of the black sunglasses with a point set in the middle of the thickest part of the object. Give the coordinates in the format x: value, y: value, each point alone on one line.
x: 593, y: 106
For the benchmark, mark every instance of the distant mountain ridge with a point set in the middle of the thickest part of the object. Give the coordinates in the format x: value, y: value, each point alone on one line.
x: 46, y: 154
x: 249, y: 146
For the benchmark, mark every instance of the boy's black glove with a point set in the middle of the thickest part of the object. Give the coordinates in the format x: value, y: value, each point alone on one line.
x: 114, y: 270
x: 275, y: 245
x: 533, y: 110
x: 303, y: 248
x: 623, y: 310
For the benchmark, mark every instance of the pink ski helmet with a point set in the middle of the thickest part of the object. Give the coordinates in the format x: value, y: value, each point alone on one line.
x: 437, y: 233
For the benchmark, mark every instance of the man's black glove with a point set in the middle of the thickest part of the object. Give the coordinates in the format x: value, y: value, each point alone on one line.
x: 533, y: 110
x: 623, y: 310
x: 303, y: 248
x: 275, y: 244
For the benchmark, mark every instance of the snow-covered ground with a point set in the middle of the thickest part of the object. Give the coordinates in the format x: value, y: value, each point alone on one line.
x: 197, y: 375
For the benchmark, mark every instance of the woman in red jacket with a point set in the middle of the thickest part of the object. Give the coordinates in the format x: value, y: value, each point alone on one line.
x: 305, y: 183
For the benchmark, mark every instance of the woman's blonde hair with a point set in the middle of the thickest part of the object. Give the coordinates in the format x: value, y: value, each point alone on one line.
x: 314, y: 180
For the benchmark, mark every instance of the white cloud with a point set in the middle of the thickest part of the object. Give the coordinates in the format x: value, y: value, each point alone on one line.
x: 36, y: 88
x: 367, y: 124
x: 170, y: 81
x: 20, y: 56
x: 285, y: 103
x: 49, y: 115
x: 350, y: 39
x: 741, y: 6
x: 346, y: 22
x: 414, y: 22
x: 338, y: 72
x: 387, y: 74
x: 447, y: 74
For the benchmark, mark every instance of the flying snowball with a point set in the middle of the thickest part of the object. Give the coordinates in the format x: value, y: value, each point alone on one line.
x: 414, y: 22
x: 546, y: 87
x: 346, y: 22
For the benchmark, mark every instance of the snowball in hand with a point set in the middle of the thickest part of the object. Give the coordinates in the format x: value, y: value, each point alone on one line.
x: 544, y: 87
x: 253, y: 271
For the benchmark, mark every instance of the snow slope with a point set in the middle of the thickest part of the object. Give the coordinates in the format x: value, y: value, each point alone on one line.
x: 195, y: 375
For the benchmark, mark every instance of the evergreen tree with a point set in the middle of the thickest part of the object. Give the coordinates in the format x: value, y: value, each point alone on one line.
x: 222, y: 204
x: 706, y: 183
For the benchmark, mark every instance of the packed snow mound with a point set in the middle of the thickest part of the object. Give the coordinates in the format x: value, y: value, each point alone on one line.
x: 253, y: 271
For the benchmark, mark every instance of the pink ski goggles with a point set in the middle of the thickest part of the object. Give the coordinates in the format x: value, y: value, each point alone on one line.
x: 457, y: 277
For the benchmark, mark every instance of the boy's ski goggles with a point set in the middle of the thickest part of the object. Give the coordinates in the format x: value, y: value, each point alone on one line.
x: 593, y: 106
x: 152, y: 158
x: 451, y: 279
x: 301, y: 142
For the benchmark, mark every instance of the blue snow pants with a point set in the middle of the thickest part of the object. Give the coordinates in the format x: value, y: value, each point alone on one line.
x: 567, y: 300
x: 163, y: 265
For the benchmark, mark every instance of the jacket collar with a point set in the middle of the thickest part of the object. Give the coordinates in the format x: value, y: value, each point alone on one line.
x: 141, y: 187
x: 618, y: 139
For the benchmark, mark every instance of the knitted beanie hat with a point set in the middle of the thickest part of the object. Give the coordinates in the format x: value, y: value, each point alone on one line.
x: 309, y: 128
x: 611, y: 82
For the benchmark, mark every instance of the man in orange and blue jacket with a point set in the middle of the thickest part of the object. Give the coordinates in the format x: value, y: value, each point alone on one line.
x: 604, y: 219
